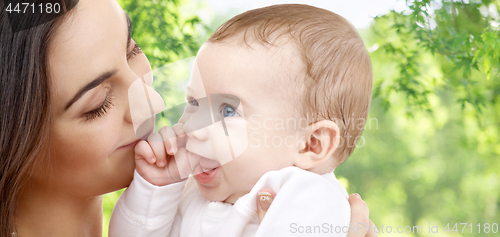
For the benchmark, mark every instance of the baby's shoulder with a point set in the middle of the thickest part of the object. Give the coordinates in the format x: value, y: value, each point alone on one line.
x: 296, y: 183
x: 305, y: 199
x: 303, y: 179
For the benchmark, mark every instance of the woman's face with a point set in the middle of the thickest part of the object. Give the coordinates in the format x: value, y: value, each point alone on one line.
x: 92, y: 63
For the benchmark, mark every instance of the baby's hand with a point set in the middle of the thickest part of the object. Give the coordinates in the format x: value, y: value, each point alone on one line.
x: 162, y: 160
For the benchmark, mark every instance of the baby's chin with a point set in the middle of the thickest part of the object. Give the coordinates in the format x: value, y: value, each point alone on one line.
x: 214, y: 196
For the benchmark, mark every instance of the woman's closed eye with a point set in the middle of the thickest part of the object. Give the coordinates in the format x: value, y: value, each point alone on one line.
x: 101, y: 110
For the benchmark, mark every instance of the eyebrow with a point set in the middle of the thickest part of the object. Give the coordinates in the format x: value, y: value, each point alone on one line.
x: 96, y: 82
x: 232, y: 99
x: 93, y: 84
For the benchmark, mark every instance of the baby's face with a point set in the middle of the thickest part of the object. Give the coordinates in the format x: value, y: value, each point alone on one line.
x: 242, y: 116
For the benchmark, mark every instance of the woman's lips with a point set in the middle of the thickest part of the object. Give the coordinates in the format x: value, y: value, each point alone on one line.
x: 131, y: 144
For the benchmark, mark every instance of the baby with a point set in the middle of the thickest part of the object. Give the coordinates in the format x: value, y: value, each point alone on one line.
x: 277, y: 99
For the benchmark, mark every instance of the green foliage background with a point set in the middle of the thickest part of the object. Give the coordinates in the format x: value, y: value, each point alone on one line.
x: 429, y: 153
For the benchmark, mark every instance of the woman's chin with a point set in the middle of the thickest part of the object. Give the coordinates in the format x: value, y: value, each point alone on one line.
x: 123, y: 171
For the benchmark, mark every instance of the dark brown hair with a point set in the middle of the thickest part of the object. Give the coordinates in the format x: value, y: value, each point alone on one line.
x: 24, y: 102
x: 338, y: 74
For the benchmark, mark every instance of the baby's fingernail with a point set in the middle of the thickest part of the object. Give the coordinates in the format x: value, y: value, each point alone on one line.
x: 153, y: 159
x: 265, y: 200
x: 357, y: 195
x: 174, y: 150
x: 161, y: 163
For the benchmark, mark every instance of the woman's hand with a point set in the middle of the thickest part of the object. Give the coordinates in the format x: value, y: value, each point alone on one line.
x: 264, y: 199
x: 162, y: 159
x: 359, y: 213
x: 360, y: 218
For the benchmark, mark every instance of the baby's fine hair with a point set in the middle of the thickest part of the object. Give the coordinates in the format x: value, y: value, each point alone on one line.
x: 338, y: 76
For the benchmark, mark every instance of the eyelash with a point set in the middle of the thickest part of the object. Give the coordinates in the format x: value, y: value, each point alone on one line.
x: 134, y: 52
x: 101, y: 110
x: 224, y: 105
x: 191, y: 101
x: 108, y: 103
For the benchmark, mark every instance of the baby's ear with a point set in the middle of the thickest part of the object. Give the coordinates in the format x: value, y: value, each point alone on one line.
x: 322, y: 138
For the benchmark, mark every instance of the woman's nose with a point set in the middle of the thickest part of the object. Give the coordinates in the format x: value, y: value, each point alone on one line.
x: 144, y: 103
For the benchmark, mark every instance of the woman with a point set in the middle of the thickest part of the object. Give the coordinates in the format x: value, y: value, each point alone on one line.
x: 67, y: 136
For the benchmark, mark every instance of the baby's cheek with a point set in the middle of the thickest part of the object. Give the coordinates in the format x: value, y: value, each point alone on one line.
x: 220, y: 143
x: 246, y: 176
x: 238, y: 136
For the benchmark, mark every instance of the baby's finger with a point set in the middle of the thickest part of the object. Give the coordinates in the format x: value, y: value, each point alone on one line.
x: 179, y: 129
x: 264, y: 199
x: 156, y: 143
x: 181, y: 135
x: 143, y: 151
x: 169, y: 139
x: 183, y: 163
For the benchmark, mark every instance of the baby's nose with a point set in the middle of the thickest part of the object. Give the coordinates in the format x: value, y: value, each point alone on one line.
x: 193, y: 130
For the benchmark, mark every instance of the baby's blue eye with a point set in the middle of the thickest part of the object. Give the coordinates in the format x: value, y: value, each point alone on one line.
x: 194, y: 102
x: 228, y: 111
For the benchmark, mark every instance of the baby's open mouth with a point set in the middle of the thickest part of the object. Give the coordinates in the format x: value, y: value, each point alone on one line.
x: 200, y: 170
x: 203, y: 165
x: 206, y: 176
x: 206, y: 166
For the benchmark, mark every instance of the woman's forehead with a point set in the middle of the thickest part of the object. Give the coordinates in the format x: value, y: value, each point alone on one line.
x: 92, y: 40
x: 89, y: 29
